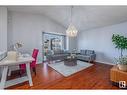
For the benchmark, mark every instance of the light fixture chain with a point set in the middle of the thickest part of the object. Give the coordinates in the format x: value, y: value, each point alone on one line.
x: 71, y: 13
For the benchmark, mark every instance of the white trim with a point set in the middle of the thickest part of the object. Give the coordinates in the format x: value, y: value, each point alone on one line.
x: 105, y: 63
x: 56, y: 33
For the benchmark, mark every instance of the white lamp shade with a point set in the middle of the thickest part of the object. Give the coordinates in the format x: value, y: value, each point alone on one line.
x: 71, y: 31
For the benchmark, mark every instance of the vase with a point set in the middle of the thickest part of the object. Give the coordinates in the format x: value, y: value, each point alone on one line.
x: 12, y: 55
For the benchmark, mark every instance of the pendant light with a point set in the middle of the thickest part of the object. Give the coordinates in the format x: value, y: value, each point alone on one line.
x: 71, y: 30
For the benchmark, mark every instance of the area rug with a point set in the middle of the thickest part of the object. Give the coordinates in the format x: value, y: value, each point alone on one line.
x: 69, y: 70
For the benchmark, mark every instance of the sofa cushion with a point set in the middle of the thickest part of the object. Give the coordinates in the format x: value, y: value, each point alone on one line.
x: 87, y: 55
x: 58, y: 56
x: 82, y: 52
x: 83, y: 57
x: 89, y: 52
x: 58, y: 51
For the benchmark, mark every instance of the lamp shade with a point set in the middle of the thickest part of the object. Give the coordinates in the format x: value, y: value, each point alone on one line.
x: 71, y: 31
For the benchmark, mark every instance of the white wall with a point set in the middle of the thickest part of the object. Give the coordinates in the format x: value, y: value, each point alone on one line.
x: 72, y: 43
x: 27, y: 28
x: 3, y: 29
x: 100, y: 41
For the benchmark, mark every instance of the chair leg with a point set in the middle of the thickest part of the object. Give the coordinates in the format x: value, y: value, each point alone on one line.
x: 20, y: 73
x: 34, y: 70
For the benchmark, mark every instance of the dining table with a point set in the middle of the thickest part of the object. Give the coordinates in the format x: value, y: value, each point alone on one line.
x: 5, y: 64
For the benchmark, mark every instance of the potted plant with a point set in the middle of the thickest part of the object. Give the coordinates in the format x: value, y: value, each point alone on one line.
x: 122, y: 63
x: 121, y: 44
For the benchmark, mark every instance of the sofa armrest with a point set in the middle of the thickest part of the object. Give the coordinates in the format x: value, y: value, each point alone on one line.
x: 92, y: 57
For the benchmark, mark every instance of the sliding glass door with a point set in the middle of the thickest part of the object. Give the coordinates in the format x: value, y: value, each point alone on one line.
x: 52, y: 42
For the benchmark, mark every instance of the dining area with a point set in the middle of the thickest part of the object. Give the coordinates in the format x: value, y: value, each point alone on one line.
x: 25, y: 63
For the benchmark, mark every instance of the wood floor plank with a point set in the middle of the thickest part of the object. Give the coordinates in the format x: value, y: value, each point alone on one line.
x: 94, y: 77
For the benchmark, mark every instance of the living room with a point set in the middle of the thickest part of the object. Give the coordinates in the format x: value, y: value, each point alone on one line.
x: 88, y: 50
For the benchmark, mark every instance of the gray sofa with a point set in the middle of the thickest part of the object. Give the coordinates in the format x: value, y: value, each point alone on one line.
x: 87, y: 55
x: 57, y: 55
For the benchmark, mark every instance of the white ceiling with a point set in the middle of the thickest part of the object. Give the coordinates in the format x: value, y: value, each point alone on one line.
x: 84, y: 17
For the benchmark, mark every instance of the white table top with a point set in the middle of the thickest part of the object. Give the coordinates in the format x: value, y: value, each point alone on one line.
x: 20, y: 60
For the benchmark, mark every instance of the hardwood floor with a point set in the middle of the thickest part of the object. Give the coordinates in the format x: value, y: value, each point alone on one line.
x: 94, y: 77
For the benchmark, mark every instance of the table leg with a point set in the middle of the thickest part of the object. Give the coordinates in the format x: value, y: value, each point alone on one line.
x: 4, y: 76
x: 9, y: 72
x: 29, y: 74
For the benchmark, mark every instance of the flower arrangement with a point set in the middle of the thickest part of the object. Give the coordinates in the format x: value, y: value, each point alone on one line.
x: 17, y: 45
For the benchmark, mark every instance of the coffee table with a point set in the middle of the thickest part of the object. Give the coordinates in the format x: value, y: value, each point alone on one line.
x: 70, y: 61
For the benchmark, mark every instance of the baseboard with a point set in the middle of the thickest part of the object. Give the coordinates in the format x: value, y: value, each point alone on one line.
x: 105, y: 63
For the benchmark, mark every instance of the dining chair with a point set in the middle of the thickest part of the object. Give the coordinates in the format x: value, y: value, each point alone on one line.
x: 33, y: 63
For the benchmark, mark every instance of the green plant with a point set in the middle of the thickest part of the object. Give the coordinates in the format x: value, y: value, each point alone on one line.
x: 122, y: 60
x: 120, y: 42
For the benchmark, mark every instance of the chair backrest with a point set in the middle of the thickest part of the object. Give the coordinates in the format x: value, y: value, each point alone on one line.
x: 35, y: 53
x: 33, y: 63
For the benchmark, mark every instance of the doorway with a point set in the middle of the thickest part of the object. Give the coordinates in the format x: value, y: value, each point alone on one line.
x: 52, y: 42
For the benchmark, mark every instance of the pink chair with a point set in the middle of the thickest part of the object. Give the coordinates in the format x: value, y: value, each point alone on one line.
x: 33, y: 63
